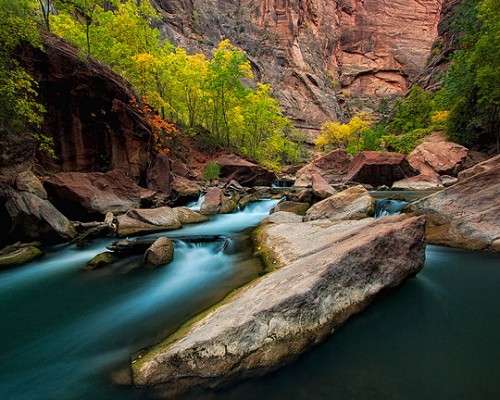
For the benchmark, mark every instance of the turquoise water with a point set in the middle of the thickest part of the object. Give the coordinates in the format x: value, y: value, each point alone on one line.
x: 65, y: 332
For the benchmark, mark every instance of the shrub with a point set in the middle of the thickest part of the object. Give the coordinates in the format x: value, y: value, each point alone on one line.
x: 211, y: 171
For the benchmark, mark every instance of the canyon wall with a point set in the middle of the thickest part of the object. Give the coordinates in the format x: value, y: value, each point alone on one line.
x: 319, y: 55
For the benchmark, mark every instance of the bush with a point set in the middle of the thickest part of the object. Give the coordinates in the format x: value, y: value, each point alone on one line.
x: 404, y: 143
x: 211, y: 171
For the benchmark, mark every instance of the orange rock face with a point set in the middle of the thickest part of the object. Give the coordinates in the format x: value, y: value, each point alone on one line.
x: 316, y: 53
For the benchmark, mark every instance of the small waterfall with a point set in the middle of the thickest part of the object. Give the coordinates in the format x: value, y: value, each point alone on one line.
x: 384, y: 207
x: 196, y: 205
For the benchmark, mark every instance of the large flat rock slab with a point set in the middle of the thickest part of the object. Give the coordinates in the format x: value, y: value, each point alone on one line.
x: 466, y: 214
x: 326, y: 271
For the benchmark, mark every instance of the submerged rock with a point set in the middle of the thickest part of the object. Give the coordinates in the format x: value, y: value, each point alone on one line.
x: 161, y: 252
x: 325, y: 275
x: 466, y: 214
x: 13, y: 256
x: 352, y: 203
x: 101, y: 260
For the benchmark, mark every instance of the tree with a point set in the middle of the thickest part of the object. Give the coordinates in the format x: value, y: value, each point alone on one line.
x: 225, y: 90
x: 18, y: 90
x: 338, y: 135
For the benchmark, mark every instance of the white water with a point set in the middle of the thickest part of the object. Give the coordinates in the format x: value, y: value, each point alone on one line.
x: 65, y: 330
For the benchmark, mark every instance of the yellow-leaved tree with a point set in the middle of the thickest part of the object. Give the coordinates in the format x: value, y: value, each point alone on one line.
x: 348, y: 136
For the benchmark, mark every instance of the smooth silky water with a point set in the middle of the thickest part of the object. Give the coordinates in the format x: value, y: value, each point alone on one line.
x: 64, y: 331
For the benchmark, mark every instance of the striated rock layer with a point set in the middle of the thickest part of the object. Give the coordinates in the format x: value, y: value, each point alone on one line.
x: 326, y: 273
x: 313, y: 50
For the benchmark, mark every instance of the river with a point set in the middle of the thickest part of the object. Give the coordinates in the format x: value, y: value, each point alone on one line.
x: 64, y: 332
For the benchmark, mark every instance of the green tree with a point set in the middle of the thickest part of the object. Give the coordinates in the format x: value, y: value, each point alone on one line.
x: 18, y: 90
x: 225, y: 90
x: 412, y: 112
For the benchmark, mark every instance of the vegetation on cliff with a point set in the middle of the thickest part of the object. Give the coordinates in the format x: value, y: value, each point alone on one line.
x: 18, y: 90
x: 209, y: 98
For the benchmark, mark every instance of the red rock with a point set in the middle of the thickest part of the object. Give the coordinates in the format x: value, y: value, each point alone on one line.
x: 427, y: 181
x: 321, y: 188
x: 308, y: 50
x: 443, y: 158
x: 216, y: 203
x: 89, y: 114
x: 180, y: 169
x: 82, y: 195
x: 246, y: 173
x: 466, y: 214
x: 379, y: 168
x: 484, y: 166
x: 158, y: 177
x: 332, y: 167
x: 185, y: 189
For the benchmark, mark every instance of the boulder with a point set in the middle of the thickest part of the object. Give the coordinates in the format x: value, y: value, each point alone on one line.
x: 332, y: 167
x: 352, y: 203
x: 243, y: 171
x: 479, y: 168
x: 465, y: 214
x: 323, y: 276
x: 37, y: 219
x: 379, y: 168
x: 217, y: 203
x: 13, y: 256
x: 26, y: 181
x: 429, y: 181
x: 147, y: 220
x: 282, y: 217
x: 161, y: 252
x: 158, y: 177
x: 321, y: 188
x: 187, y: 216
x: 185, y: 189
x: 82, y: 196
x: 443, y: 158
x: 291, y: 206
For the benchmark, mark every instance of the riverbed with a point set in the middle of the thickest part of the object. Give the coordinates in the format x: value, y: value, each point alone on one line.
x: 65, y: 332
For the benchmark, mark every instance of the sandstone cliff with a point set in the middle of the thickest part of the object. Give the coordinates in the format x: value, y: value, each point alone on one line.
x: 317, y: 54
x: 88, y: 113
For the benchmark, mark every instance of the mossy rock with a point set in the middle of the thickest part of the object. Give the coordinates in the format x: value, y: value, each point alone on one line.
x: 19, y: 256
x: 101, y: 260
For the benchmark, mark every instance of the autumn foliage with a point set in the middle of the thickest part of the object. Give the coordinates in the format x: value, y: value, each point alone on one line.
x: 161, y: 130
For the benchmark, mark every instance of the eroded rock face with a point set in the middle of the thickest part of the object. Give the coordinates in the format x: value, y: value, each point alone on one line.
x: 89, y: 114
x: 466, y: 214
x: 82, y: 195
x: 312, y: 50
x: 325, y: 275
x: 332, y: 167
x: 379, y: 168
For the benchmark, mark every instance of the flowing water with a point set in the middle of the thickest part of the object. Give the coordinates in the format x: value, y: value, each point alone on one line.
x: 64, y: 331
